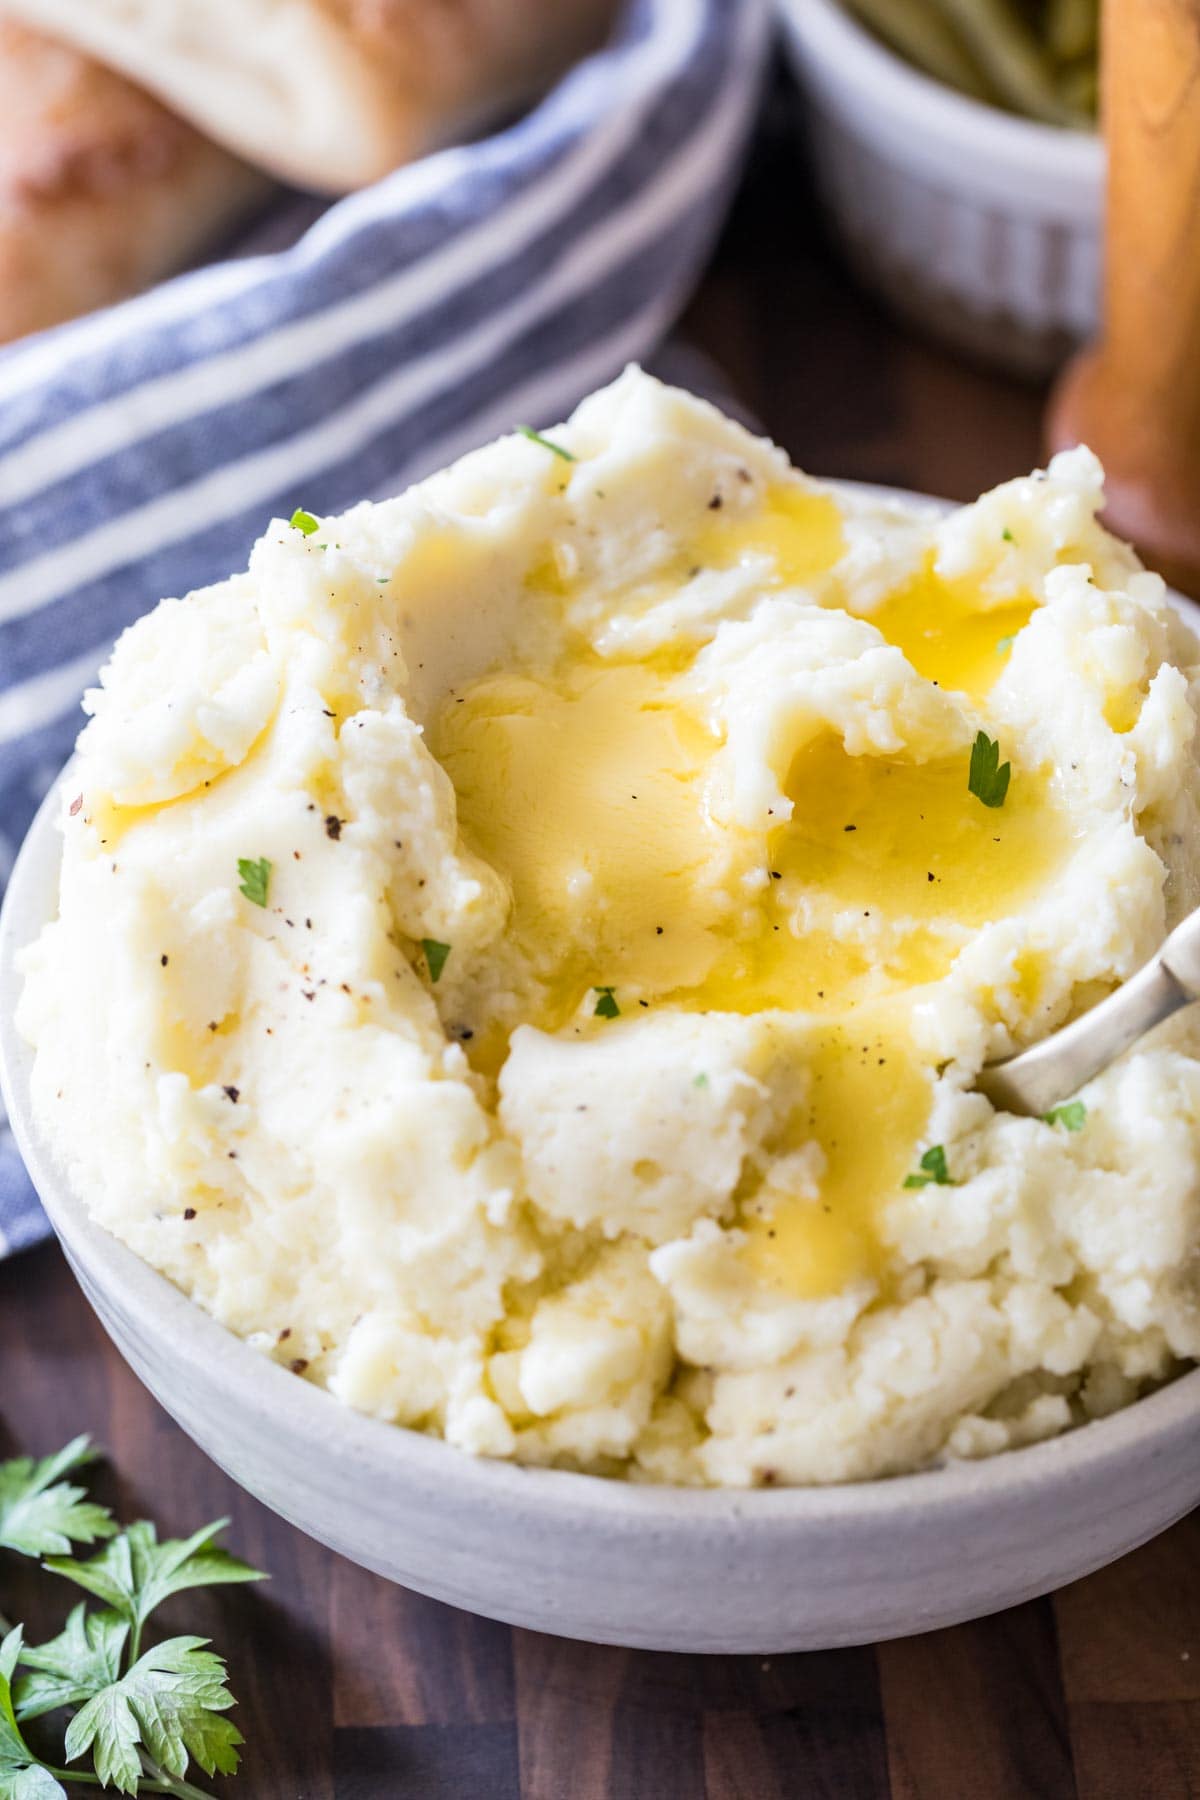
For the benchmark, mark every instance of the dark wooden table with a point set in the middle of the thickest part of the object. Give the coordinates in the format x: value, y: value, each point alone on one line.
x: 354, y: 1690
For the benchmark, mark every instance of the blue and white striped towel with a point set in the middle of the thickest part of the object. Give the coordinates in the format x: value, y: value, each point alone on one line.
x: 143, y: 450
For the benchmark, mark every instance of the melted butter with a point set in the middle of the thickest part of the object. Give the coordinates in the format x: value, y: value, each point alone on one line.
x: 867, y: 1109
x: 922, y: 852
x: 587, y: 796
x: 780, y: 964
x: 794, y: 536
x: 586, y: 792
x: 946, y: 635
x: 1123, y: 708
x: 549, y: 576
x: 800, y: 530
x: 908, y: 840
x: 940, y: 625
x: 113, y: 820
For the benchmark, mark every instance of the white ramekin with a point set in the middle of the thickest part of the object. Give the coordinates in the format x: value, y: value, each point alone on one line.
x: 982, y: 227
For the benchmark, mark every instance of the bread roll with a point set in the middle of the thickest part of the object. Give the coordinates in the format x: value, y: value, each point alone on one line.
x: 101, y: 190
x: 330, y: 94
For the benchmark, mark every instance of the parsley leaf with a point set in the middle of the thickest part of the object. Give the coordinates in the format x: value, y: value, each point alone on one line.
x: 535, y: 437
x: 135, y: 1573
x: 143, y: 1718
x: 22, y: 1775
x: 435, y: 957
x: 606, y: 1003
x: 40, y: 1515
x: 1007, y: 535
x: 1072, y: 1115
x: 170, y: 1701
x: 933, y: 1164
x: 29, y: 1781
x: 989, y: 778
x: 303, y: 521
x: 254, y: 879
x: 82, y: 1659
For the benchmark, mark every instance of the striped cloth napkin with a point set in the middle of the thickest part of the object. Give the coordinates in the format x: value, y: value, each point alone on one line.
x: 143, y: 450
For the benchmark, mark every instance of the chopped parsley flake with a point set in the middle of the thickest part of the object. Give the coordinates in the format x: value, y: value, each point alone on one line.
x: 435, y: 957
x: 1003, y: 644
x: 254, y: 879
x: 1072, y: 1115
x: 1007, y: 535
x: 989, y: 778
x: 934, y: 1170
x: 606, y: 1003
x: 303, y: 521
x: 701, y: 1080
x: 535, y: 437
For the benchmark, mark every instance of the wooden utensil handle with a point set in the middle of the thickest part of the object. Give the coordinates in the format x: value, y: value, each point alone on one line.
x: 1135, y: 397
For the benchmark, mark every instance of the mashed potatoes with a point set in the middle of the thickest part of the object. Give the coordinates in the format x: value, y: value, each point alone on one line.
x: 525, y: 949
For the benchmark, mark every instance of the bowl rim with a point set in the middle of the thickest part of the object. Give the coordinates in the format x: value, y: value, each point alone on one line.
x: 305, y: 1412
x: 831, y: 36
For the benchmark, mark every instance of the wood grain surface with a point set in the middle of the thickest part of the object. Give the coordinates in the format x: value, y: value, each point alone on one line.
x: 354, y: 1690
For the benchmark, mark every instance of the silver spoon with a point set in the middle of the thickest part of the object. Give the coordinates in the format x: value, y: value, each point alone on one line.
x: 1052, y: 1071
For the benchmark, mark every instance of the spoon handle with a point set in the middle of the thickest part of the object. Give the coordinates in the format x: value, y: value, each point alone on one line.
x: 1050, y: 1072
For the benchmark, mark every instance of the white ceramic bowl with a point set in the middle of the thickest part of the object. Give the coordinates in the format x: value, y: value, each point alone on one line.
x: 659, y: 1568
x: 982, y: 227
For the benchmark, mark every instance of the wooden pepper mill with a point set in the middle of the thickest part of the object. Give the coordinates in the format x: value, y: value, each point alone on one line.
x: 1135, y: 396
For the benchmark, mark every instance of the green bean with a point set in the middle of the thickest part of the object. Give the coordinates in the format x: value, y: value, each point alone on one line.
x: 916, y: 31
x: 1037, y: 57
x: 1010, y: 56
x: 1072, y: 29
x: 1079, y: 87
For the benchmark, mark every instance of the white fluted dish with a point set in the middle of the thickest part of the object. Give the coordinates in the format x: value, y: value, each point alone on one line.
x: 982, y: 227
x: 608, y: 1561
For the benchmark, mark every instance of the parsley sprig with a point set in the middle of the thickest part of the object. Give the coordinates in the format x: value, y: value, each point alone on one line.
x: 40, y: 1515
x: 435, y: 957
x: 535, y: 437
x: 606, y: 1003
x: 140, y: 1716
x: 1072, y: 1115
x: 989, y: 778
x: 135, y: 1573
x: 933, y: 1170
x: 254, y: 881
